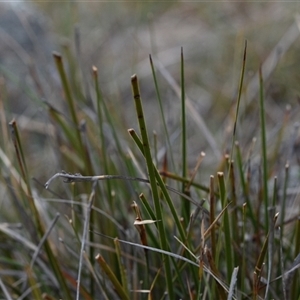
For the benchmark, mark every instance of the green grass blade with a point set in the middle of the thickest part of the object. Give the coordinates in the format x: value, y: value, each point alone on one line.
x: 239, y: 99
x: 163, y: 188
x: 296, y: 280
x: 244, y: 257
x: 24, y: 171
x: 186, y: 207
x: 69, y: 133
x: 260, y: 261
x: 79, y: 128
x: 152, y: 178
x: 162, y: 113
x: 167, y: 198
x: 121, y: 267
x: 212, y: 215
x: 113, y: 126
x: 102, y: 138
x: 234, y: 213
x: 121, y: 291
x: 245, y: 187
x: 39, y: 226
x: 226, y: 227
x: 68, y: 93
x: 258, y: 268
x: 264, y: 151
x: 284, y: 197
x: 36, y: 292
x: 152, y: 217
x: 272, y: 216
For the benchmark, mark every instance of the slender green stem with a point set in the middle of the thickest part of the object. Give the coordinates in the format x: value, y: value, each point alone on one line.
x: 121, y: 267
x: 186, y: 207
x: 212, y: 215
x: 162, y: 113
x: 243, y: 269
x: 234, y: 214
x: 239, y: 99
x: 264, y: 151
x: 152, y: 216
x: 112, y: 122
x: 295, y: 284
x: 163, y: 188
x: 226, y: 224
x: 68, y: 93
x: 79, y: 128
x: 282, y: 212
x: 212, y: 210
x: 40, y: 228
x: 103, y: 147
x: 122, y: 291
x: 244, y: 185
x: 154, y: 189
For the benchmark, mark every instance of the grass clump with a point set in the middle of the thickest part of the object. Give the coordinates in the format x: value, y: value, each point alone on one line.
x: 127, y: 224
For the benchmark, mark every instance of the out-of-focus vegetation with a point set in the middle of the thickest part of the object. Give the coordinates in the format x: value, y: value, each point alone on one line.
x: 211, y: 220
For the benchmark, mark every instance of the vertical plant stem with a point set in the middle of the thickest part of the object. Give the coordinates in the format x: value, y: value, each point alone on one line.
x: 234, y: 215
x: 245, y: 186
x: 282, y: 212
x: 239, y: 99
x: 264, y: 151
x: 83, y: 239
x: 152, y: 216
x: 112, y: 123
x: 226, y: 226
x: 122, y: 292
x: 33, y: 209
x: 211, y: 220
x: 24, y: 171
x: 162, y: 113
x: 121, y: 267
x: 295, y: 285
x: 163, y: 188
x: 237, y: 108
x: 154, y: 189
x: 68, y: 94
x: 79, y: 144
x: 103, y: 147
x: 186, y: 207
x: 259, y: 266
x: 212, y: 215
x: 272, y: 217
x: 243, y: 271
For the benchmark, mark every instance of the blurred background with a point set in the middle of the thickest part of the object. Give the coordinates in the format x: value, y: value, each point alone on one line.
x: 118, y: 37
